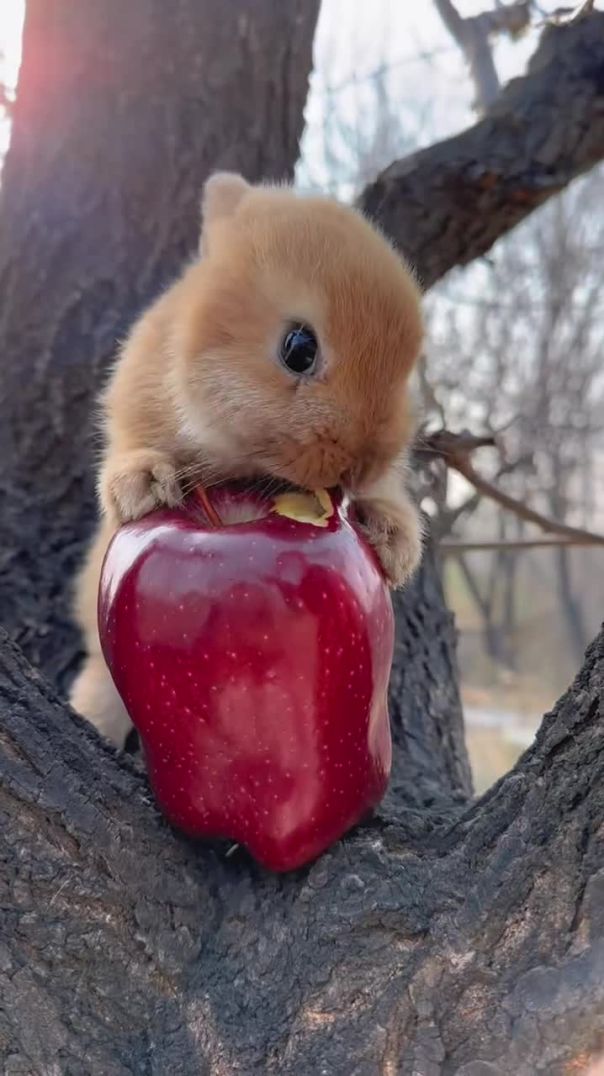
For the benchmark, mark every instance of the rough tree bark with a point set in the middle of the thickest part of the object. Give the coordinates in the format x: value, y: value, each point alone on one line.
x: 122, y: 111
x: 471, y: 943
x: 447, y: 204
x: 447, y: 936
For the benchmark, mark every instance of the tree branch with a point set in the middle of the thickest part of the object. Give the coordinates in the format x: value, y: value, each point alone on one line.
x: 470, y: 943
x: 447, y: 444
x: 450, y: 546
x: 565, y: 18
x: 447, y: 205
x: 463, y: 466
x: 455, y: 449
x: 472, y: 35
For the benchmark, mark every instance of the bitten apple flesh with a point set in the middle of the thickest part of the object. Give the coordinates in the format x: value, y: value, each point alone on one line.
x: 254, y: 660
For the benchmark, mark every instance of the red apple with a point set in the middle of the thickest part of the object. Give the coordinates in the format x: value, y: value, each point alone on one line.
x: 253, y: 658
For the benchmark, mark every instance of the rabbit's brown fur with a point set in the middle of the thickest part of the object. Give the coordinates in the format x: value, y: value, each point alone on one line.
x: 199, y: 394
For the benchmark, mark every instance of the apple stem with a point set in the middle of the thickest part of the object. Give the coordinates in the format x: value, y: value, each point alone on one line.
x: 207, y: 506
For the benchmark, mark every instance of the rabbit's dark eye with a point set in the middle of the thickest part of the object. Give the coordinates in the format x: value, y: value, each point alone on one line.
x: 299, y: 349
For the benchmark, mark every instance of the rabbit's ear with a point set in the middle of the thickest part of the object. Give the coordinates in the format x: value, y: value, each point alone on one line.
x: 222, y: 193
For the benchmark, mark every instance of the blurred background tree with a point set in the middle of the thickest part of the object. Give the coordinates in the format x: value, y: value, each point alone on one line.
x: 514, y: 348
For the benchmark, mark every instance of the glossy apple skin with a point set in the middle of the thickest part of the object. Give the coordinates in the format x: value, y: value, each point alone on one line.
x: 254, y: 662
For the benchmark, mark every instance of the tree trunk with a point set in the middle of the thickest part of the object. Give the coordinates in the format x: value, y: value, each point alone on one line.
x: 492, y: 635
x: 510, y: 599
x: 569, y: 605
x: 123, y: 108
x: 467, y: 941
x: 445, y: 937
x: 509, y: 615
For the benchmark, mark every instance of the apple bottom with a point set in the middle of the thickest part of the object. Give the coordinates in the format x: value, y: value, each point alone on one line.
x: 262, y: 808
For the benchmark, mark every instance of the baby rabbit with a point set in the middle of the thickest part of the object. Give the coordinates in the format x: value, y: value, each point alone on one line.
x: 284, y: 350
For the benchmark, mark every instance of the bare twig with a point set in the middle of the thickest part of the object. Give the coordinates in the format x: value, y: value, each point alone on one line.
x: 566, y: 18
x: 452, y: 547
x: 430, y: 399
x: 448, y: 517
x: 445, y: 443
x: 472, y: 35
x: 462, y: 464
x: 455, y: 449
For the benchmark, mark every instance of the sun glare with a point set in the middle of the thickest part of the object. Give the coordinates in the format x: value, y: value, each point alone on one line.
x: 11, y: 26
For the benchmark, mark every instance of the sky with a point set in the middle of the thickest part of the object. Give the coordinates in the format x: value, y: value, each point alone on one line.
x: 426, y: 76
x: 11, y: 23
x: 353, y: 39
